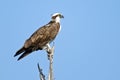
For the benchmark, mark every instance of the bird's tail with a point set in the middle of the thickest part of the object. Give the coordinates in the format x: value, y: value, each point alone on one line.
x: 25, y: 54
x: 19, y: 51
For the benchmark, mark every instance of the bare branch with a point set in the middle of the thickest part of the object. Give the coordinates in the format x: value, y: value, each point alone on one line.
x: 42, y: 76
x: 50, y: 58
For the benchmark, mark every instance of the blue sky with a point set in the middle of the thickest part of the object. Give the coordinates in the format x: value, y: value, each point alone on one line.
x: 87, y: 48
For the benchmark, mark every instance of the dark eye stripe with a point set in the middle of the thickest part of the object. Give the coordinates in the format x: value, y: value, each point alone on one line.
x: 55, y: 16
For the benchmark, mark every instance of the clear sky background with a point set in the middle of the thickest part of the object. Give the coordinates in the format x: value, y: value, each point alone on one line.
x: 87, y: 48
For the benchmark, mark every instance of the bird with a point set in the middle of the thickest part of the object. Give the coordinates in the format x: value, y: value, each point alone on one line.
x: 42, y: 37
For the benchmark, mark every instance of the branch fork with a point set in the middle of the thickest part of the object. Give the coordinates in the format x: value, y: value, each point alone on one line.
x: 50, y: 54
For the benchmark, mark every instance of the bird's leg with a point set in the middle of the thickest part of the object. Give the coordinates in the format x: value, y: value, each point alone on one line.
x: 48, y: 48
x: 50, y: 51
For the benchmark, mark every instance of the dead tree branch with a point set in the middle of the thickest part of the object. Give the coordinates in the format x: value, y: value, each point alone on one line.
x: 50, y: 58
x: 42, y: 76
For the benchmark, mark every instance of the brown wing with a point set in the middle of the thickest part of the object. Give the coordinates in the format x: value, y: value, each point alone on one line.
x: 39, y: 39
x: 43, y: 35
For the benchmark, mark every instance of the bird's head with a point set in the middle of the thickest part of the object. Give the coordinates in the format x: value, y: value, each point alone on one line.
x: 56, y: 17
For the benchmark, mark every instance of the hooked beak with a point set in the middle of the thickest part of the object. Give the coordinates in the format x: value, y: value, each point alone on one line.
x: 61, y: 16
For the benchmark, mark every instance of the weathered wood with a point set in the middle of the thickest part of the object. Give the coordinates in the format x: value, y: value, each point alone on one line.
x: 50, y: 58
x: 42, y: 76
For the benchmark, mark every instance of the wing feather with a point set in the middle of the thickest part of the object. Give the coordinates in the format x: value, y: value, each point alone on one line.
x: 39, y: 39
x: 43, y: 35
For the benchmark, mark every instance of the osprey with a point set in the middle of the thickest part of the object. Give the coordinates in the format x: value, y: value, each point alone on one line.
x: 41, y: 39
